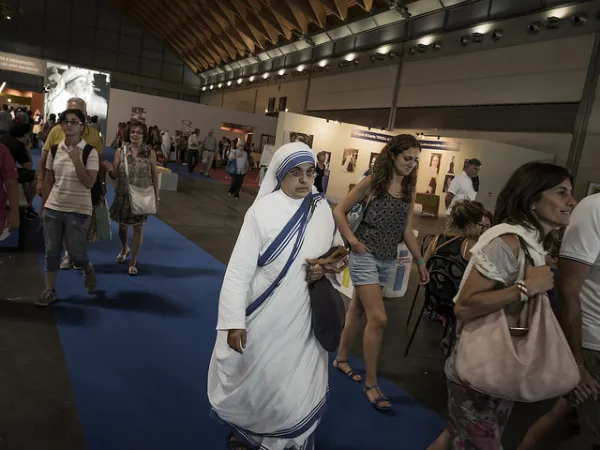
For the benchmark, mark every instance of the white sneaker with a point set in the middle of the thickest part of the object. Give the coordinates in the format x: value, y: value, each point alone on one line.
x: 65, y: 264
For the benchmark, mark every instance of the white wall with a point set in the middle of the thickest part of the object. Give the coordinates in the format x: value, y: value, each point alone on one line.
x: 168, y: 113
x: 542, y: 72
x: 589, y: 167
x: 373, y: 88
x: 499, y: 160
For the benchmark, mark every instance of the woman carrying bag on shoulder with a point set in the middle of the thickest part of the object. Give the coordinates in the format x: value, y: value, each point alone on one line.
x: 136, y: 193
x: 506, y: 333
x: 385, y: 202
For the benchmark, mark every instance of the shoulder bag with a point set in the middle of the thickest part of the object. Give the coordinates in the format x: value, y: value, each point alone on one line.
x: 327, y: 306
x: 356, y: 214
x: 142, y: 200
x: 519, y: 352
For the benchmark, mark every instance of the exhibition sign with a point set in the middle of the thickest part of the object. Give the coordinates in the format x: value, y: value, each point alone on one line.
x: 23, y: 64
x: 425, y: 144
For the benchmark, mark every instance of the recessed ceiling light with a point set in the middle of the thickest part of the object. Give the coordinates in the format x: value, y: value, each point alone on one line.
x: 229, y: 83
x: 323, y: 63
x: 265, y: 75
x: 240, y: 81
x: 350, y: 57
x: 251, y: 79
x: 300, y: 68
x: 281, y: 72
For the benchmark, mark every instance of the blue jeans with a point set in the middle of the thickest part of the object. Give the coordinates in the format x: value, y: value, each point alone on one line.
x: 71, y: 227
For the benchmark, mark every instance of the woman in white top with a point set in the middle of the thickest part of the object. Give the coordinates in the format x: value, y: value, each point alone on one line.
x: 71, y: 171
x: 268, y: 373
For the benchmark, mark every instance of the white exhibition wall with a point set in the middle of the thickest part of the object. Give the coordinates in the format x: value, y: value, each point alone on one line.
x: 499, y: 160
x: 168, y: 114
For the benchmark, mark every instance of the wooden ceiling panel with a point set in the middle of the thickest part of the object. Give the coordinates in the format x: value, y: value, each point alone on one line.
x: 210, y: 33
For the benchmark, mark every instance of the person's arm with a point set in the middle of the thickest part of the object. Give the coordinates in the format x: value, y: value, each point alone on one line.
x: 154, y: 174
x: 480, y: 296
x: 413, y: 247
x: 40, y: 173
x: 113, y: 169
x: 570, y: 277
x: 47, y: 186
x: 86, y: 176
x: 340, y: 211
x: 448, y: 199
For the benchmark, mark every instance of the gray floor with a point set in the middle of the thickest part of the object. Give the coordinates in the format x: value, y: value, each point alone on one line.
x: 202, y: 212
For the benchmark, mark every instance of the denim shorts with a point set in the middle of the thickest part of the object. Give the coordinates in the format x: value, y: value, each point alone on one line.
x: 367, y: 269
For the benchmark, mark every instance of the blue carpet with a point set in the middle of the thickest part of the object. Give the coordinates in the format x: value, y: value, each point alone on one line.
x: 137, y: 353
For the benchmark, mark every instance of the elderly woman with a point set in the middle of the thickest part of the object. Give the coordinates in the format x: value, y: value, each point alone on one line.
x: 141, y: 165
x: 71, y: 172
x: 268, y: 373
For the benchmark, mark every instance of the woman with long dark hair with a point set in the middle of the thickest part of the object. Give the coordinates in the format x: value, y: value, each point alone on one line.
x: 387, y: 221
x: 536, y: 200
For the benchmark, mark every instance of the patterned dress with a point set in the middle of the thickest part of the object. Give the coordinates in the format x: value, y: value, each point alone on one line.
x: 140, y: 174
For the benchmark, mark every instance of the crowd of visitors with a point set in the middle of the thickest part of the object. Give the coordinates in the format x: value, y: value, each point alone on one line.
x: 490, y: 274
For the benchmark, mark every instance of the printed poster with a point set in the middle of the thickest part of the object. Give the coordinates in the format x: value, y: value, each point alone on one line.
x: 349, y: 160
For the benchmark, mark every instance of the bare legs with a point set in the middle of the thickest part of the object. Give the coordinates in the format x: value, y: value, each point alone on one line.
x: 138, y: 238
x: 369, y: 299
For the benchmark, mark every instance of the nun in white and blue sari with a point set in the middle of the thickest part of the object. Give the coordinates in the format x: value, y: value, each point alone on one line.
x: 274, y: 393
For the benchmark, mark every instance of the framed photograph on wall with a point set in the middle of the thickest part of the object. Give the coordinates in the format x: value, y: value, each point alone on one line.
x: 447, y: 180
x: 282, y: 104
x: 271, y: 105
x: 593, y: 188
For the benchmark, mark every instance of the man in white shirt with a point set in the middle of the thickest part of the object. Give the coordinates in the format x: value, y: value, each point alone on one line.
x: 462, y: 187
x: 209, y: 147
x: 578, y: 292
x: 193, y: 150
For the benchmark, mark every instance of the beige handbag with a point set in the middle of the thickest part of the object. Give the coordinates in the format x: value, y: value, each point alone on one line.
x: 517, y: 353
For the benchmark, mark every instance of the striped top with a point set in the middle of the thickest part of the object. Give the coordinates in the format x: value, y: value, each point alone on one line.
x: 68, y: 193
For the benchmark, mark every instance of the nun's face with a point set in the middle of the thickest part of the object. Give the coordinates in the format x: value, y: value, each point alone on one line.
x: 298, y: 182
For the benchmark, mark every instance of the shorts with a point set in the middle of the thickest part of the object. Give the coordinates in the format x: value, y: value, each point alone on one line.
x: 25, y: 175
x: 589, y: 412
x: 367, y: 269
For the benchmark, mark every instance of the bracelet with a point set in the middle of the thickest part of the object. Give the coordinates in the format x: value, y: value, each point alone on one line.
x: 523, y: 290
x: 420, y: 262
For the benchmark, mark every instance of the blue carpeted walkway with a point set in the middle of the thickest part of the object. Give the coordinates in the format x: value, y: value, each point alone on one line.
x: 137, y: 353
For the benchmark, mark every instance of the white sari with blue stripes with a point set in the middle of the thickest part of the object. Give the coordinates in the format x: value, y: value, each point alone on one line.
x: 275, y: 393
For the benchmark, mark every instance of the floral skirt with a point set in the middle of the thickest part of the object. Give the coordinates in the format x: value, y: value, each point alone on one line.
x: 120, y: 211
x: 477, y: 420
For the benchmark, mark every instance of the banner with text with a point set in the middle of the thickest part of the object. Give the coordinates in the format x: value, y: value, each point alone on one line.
x: 425, y: 144
x: 371, y: 136
x: 23, y: 64
x: 440, y: 145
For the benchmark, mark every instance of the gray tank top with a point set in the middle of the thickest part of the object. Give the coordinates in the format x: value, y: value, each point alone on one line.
x: 383, y: 224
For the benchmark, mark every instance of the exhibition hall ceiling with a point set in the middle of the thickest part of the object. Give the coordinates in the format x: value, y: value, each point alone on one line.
x: 211, y: 33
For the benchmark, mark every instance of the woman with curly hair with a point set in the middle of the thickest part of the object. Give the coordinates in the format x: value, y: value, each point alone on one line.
x: 388, y: 195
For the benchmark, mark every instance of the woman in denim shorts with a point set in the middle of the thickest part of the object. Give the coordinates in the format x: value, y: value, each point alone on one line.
x: 388, y: 194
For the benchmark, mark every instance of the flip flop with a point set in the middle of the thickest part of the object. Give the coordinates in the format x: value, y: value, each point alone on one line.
x: 122, y: 257
x: 379, y: 400
x: 132, y: 271
x: 351, y: 374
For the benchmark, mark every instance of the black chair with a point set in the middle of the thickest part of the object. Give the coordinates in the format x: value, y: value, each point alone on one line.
x: 426, y: 241
x: 439, y: 295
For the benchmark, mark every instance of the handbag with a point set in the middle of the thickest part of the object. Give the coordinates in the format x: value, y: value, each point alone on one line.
x: 231, y: 167
x: 142, y: 200
x: 519, y: 352
x: 356, y: 214
x: 327, y: 306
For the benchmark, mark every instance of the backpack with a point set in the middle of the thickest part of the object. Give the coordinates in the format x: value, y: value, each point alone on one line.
x: 97, y: 189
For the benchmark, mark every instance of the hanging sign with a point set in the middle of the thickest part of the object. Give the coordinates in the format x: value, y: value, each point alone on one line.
x: 440, y: 145
x: 371, y: 136
x: 23, y: 64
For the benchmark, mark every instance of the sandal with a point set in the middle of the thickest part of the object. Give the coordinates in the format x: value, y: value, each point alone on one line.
x: 379, y: 400
x: 351, y: 374
x: 233, y: 443
x: 132, y: 271
x: 122, y: 257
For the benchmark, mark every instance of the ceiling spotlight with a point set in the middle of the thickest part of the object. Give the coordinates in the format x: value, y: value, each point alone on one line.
x: 437, y: 45
x: 579, y: 19
x: 534, y: 27
x: 323, y: 63
x: 464, y: 41
x: 220, y: 85
x: 477, y: 38
x: 552, y: 23
x: 422, y: 47
x: 251, y: 79
x: 300, y: 68
x: 350, y: 57
x: 265, y: 76
x: 240, y: 81
x: 212, y: 86
x: 412, y: 50
x: 496, y: 35
x: 229, y: 83
x: 281, y: 72
x: 286, y: 110
x: 266, y: 110
x: 203, y: 88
